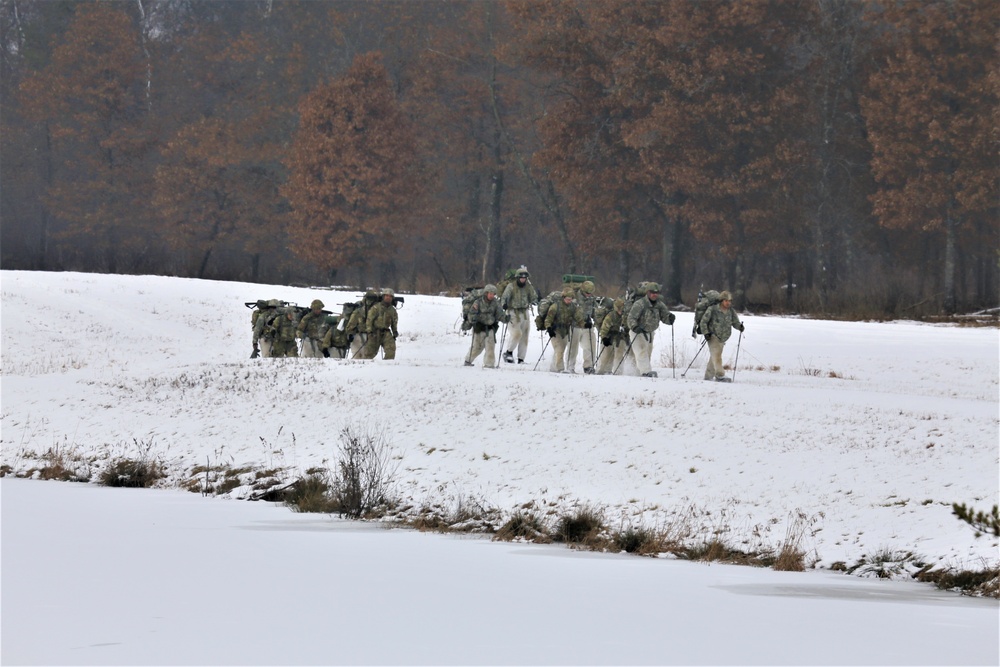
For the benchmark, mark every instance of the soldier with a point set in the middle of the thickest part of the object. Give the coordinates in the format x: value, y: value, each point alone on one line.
x: 718, y: 323
x: 643, y: 320
x: 285, y: 327
x: 263, y: 335
x: 380, y: 326
x: 309, y: 330
x: 584, y: 336
x: 560, y: 320
x: 485, y: 316
x: 335, y: 341
x: 613, y: 339
x: 517, y: 299
x: 355, y: 327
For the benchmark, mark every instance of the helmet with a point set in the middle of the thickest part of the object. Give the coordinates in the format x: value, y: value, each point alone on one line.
x: 587, y: 287
x: 725, y: 296
x: 568, y: 292
x: 652, y: 287
x: 331, y: 319
x: 261, y: 303
x: 490, y: 288
x: 619, y: 304
x: 522, y: 272
x: 387, y: 292
x: 371, y: 295
x: 316, y: 304
x: 273, y: 303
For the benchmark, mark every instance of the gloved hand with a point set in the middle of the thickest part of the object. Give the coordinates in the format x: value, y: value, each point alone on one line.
x: 670, y: 320
x: 742, y: 327
x: 350, y: 338
x: 494, y: 326
x: 638, y: 330
x: 466, y: 325
x: 708, y: 336
x: 589, y: 323
x: 506, y: 318
x: 606, y: 342
x: 551, y: 331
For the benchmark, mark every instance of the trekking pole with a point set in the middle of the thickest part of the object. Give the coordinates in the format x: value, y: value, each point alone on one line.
x: 738, y: 342
x: 542, y: 354
x: 673, y: 363
x: 627, y: 350
x: 503, y: 336
x: 703, y: 344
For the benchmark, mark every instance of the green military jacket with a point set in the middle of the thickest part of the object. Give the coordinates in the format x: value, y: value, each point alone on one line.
x: 516, y: 297
x: 381, y: 317
x: 562, y: 316
x: 646, y: 315
x: 720, y: 323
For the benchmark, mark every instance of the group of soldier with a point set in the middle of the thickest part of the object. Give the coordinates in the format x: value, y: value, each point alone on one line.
x: 605, y: 331
x: 359, y: 332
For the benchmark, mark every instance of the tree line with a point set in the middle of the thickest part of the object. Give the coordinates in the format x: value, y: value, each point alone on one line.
x: 833, y: 157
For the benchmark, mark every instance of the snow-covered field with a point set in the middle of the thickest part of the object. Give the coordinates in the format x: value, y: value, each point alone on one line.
x: 858, y: 435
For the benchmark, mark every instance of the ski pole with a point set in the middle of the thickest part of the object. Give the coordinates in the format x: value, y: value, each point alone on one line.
x: 673, y: 363
x: 738, y: 342
x: 627, y: 350
x: 503, y: 336
x: 703, y: 344
x: 542, y: 354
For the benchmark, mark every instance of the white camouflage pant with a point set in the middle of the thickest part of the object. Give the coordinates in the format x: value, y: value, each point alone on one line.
x: 487, y: 341
x: 518, y: 331
x: 714, y: 369
x: 611, y: 357
x: 642, y: 348
x: 582, y: 338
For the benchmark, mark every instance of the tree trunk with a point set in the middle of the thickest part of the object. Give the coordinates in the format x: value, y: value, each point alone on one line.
x: 950, y: 300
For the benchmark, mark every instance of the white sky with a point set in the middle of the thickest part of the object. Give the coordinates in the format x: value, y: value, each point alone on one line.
x: 866, y: 462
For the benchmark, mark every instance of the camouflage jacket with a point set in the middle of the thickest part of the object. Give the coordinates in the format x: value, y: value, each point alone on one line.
x: 260, y: 319
x: 647, y: 315
x: 312, y: 325
x: 284, y: 324
x: 563, y: 316
x: 611, y: 327
x: 382, y: 316
x: 486, y: 313
x: 587, y: 303
x: 720, y: 323
x: 516, y: 297
x: 356, y: 323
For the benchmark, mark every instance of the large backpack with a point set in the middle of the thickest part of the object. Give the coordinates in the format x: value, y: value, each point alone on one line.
x: 705, y: 300
x: 543, y: 308
x: 602, y: 306
x: 469, y: 298
x: 508, y: 278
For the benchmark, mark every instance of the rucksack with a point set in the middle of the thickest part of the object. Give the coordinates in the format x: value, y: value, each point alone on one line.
x: 469, y: 298
x: 508, y: 278
x: 543, y: 308
x: 705, y: 300
x: 602, y: 306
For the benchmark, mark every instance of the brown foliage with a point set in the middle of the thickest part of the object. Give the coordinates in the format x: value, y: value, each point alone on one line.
x: 351, y: 179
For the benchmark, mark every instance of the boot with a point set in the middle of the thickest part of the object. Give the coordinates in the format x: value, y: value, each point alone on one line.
x: 468, y: 363
x: 589, y: 371
x: 650, y: 374
x: 508, y: 356
x: 520, y: 361
x: 723, y: 379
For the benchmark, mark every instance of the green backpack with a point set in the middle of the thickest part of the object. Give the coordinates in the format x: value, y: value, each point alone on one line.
x: 543, y: 308
x: 705, y: 301
x: 469, y: 298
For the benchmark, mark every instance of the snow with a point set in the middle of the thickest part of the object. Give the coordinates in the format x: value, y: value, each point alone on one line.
x: 857, y: 435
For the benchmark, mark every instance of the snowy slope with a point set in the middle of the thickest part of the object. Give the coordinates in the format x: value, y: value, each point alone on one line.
x: 862, y: 434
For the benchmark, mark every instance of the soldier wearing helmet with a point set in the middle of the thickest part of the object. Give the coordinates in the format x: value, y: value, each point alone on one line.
x: 381, y: 327
x: 517, y: 299
x: 311, y: 330
x: 643, y: 320
x: 583, y: 337
x: 355, y: 327
x: 614, y: 342
x: 562, y: 317
x: 263, y: 335
x: 485, y: 316
x: 718, y: 323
